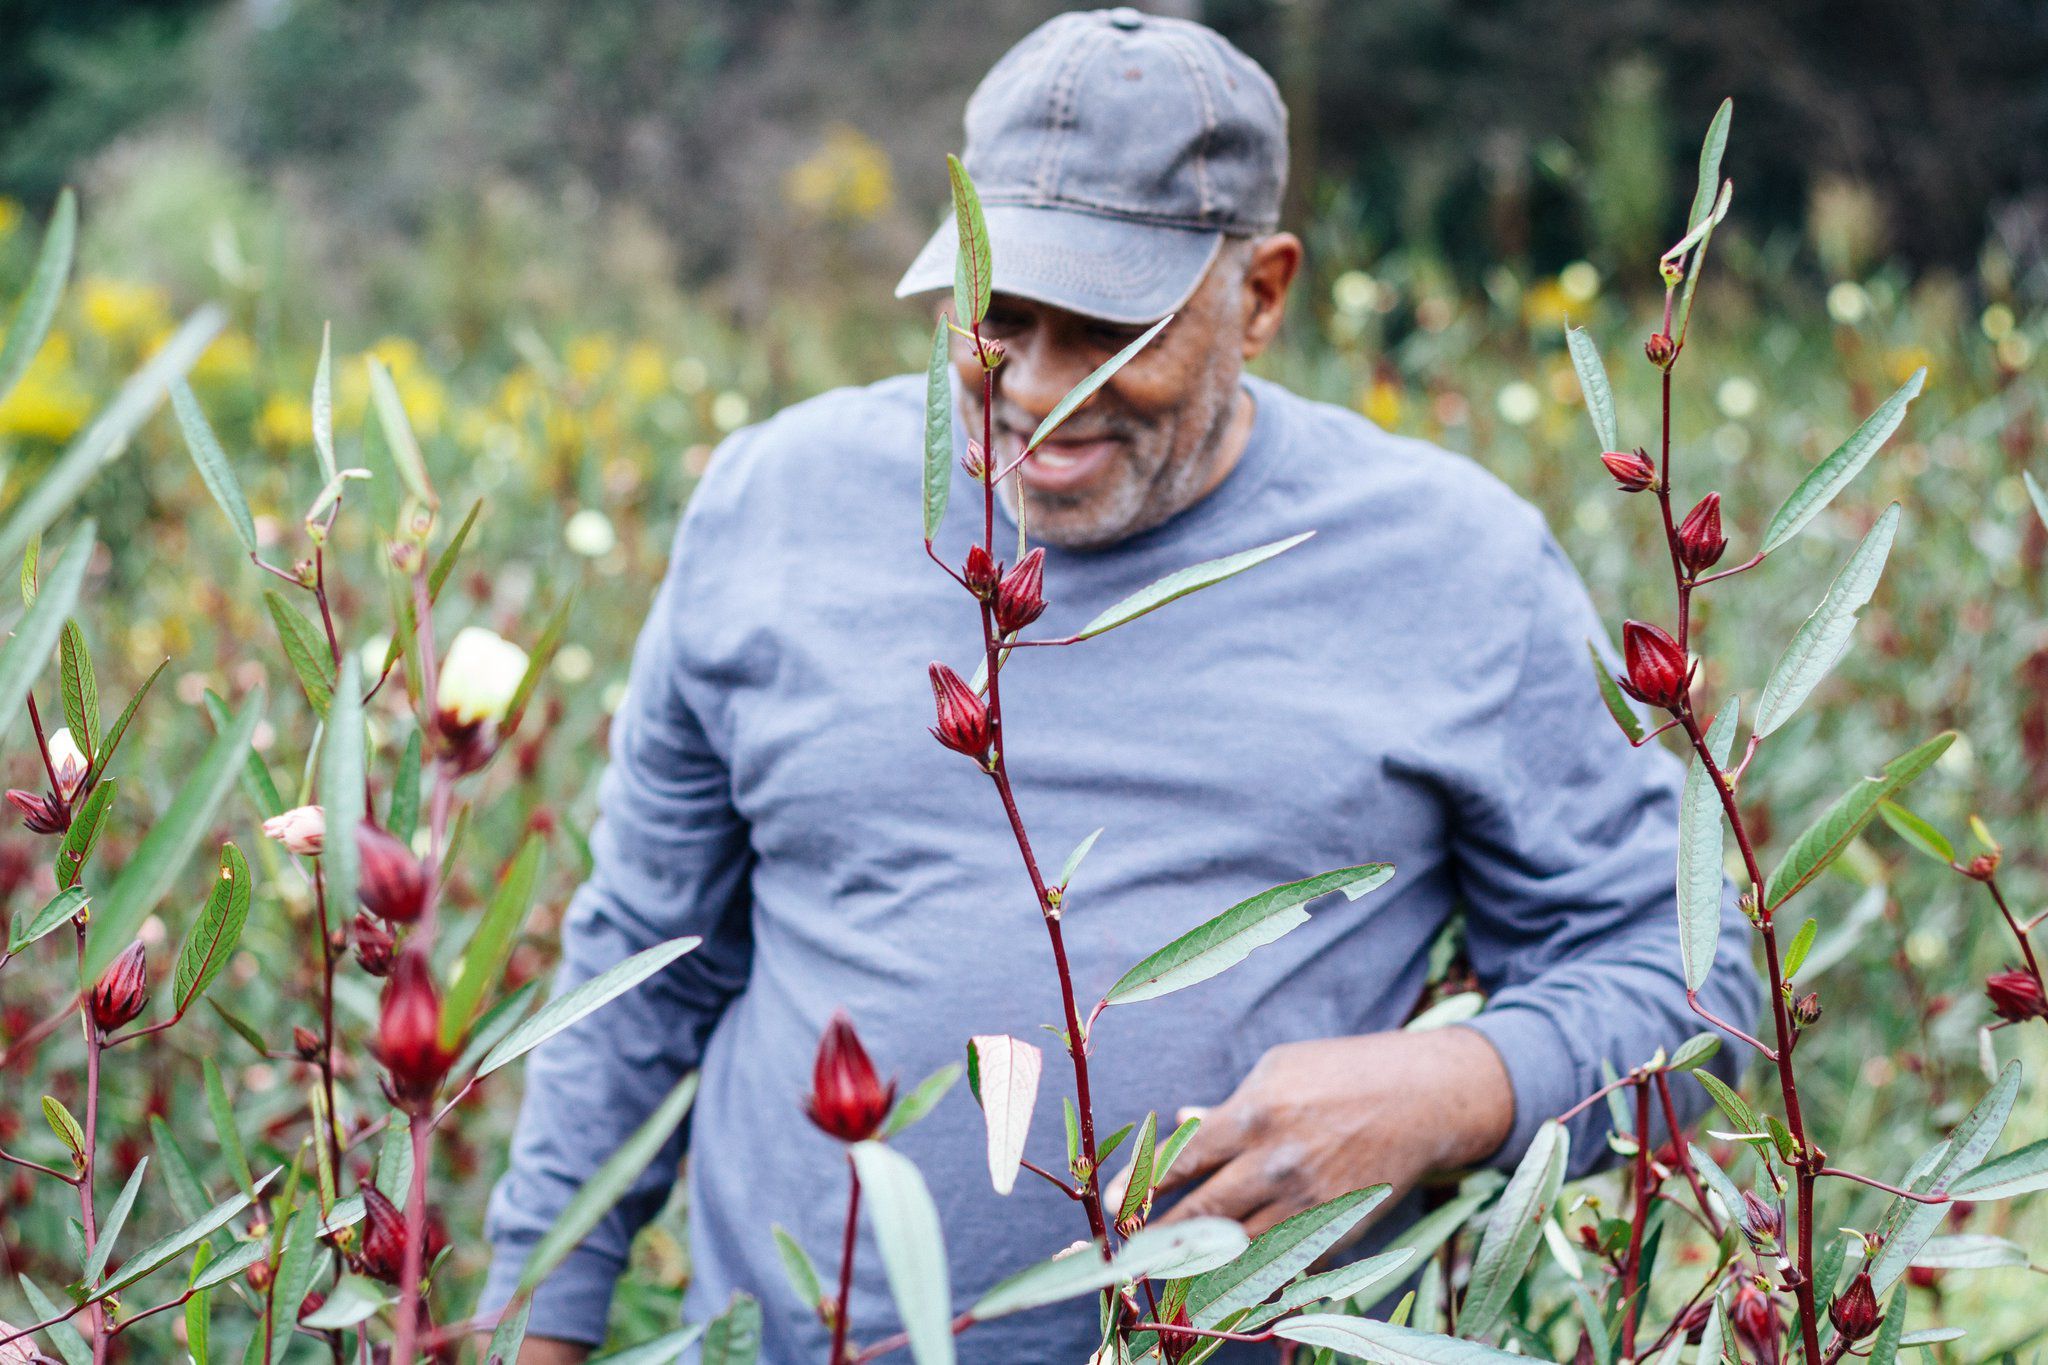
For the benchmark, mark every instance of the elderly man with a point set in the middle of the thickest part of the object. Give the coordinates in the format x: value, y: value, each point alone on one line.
x: 1411, y: 686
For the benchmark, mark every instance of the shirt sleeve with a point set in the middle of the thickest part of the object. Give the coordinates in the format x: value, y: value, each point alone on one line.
x: 669, y: 857
x: 1567, y: 853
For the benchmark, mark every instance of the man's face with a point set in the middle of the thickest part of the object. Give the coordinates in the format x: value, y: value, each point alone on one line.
x: 1148, y: 444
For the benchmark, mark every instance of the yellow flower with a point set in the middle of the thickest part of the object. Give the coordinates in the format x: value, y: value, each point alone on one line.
x: 645, y: 372
x: 123, y: 311
x: 590, y: 357
x: 1383, y: 404
x: 230, y: 360
x: 48, y: 404
x: 286, y: 421
x: 1545, y: 306
x: 848, y: 179
x: 423, y: 395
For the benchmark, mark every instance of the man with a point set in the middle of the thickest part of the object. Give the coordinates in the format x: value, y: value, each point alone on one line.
x: 1410, y: 685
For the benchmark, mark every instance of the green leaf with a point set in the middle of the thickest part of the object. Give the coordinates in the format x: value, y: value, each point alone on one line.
x: 241, y: 1027
x: 1344, y: 1281
x: 408, y: 612
x: 1823, y: 841
x: 354, y: 1299
x: 1227, y: 939
x: 110, y: 1227
x: 796, y: 1263
x: 188, y: 1195
x: 596, y: 1196
x: 1908, y: 1223
x: 1969, y: 1251
x: 1884, y: 1347
x: 1512, y: 1232
x: 306, y: 649
x: 398, y: 433
x: 160, y: 1252
x: 1694, y: 1052
x: 1385, y: 1344
x: 224, y: 1122
x: 1610, y: 693
x: 57, y: 912
x: 906, y: 1225
x: 1824, y: 636
x: 112, y: 739
x: 490, y: 947
x: 296, y: 1268
x: 63, y: 1335
x: 665, y: 1349
x: 331, y: 493
x: 342, y: 761
x: 27, y: 652
x: 1148, y: 1254
x: 1003, y: 1074
x: 214, y: 467
x: 1437, y: 1227
x: 973, y: 272
x: 1138, y: 1179
x: 1170, y: 1150
x: 2021, y: 1171
x: 109, y: 433
x: 1108, y: 1147
x: 1277, y: 1255
x: 600, y: 990
x: 1917, y: 832
x: 734, y: 1336
x: 402, y: 816
x: 497, y: 1021
x: 217, y: 930
x: 80, y: 689
x: 1710, y: 163
x: 1733, y: 1105
x: 199, y: 1311
x: 1802, y: 944
x: 1701, y: 832
x: 64, y: 1126
x: 1182, y: 582
x: 1705, y: 231
x: 921, y: 1101
x: 163, y: 852
x: 30, y: 325
x: 1781, y: 1138
x: 510, y: 1333
x: 1599, y: 394
x: 938, y: 432
x: 87, y: 823
x: 234, y: 1262
x: 537, y: 662
x: 1085, y: 390
x: 1074, y: 859
x: 1834, y: 473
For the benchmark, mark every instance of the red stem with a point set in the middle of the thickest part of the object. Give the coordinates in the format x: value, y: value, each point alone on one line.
x: 846, y: 1247
x: 1991, y: 885
x: 415, y: 1246
x: 1631, y: 1276
x: 1678, y: 1145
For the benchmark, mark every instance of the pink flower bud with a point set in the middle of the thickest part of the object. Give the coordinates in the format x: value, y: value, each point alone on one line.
x: 392, y: 884
x: 2016, y: 996
x: 980, y: 572
x: 306, y: 1043
x: 1657, y: 671
x: 409, y: 1033
x: 1631, y: 469
x: 123, y: 991
x: 373, y: 945
x: 1700, y: 541
x: 963, y: 719
x: 1854, y: 1311
x: 975, y: 461
x: 847, y: 1099
x: 302, y: 829
x: 1021, y: 598
x: 1660, y: 349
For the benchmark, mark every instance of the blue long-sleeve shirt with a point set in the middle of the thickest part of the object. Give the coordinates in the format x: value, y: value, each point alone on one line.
x: 1411, y: 685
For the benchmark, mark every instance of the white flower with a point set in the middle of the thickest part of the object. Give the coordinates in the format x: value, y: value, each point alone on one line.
x: 1519, y: 403
x: 589, y: 533
x: 479, y: 676
x: 1848, y: 303
x: 302, y: 829
x: 67, y: 762
x: 1737, y: 396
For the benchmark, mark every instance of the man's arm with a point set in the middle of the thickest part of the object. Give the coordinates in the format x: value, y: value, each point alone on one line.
x: 669, y: 857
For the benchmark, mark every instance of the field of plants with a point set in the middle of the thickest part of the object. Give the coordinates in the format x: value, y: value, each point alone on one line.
x: 527, y: 450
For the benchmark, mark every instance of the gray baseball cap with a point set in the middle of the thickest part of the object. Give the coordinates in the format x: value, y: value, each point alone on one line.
x: 1113, y: 151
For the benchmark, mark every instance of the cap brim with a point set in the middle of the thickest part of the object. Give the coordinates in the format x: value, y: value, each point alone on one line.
x: 1099, y: 267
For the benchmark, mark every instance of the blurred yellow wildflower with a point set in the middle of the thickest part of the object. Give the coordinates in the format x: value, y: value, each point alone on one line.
x: 848, y: 179
x: 123, y: 312
x: 1545, y: 306
x: 424, y: 395
x: 230, y: 360
x: 645, y: 372
x: 590, y: 357
x: 48, y: 404
x: 285, y: 421
x: 1382, y: 404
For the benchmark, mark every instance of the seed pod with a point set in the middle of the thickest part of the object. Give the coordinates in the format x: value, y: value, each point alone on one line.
x: 1854, y: 1311
x: 963, y: 718
x: 1657, y: 670
x: 847, y: 1099
x: 392, y: 885
x: 2016, y: 995
x: 409, y: 1033
x: 1700, y: 542
x: 1758, y: 1324
x: 1806, y: 1010
x: 1631, y: 468
x: 980, y: 572
x: 122, y: 991
x: 1021, y: 598
x: 381, y: 1255
x: 1762, y: 1223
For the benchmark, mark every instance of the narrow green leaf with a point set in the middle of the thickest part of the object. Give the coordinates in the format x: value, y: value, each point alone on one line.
x: 188, y: 1195
x: 1824, y: 636
x: 1610, y: 693
x: 796, y: 1263
x: 543, y: 654
x: 1277, y: 1255
x: 1884, y: 1347
x: 1230, y: 937
x: 1074, y: 859
x: 2036, y: 496
x: 343, y: 759
x: 26, y: 653
x: 1003, y: 1073
x: 112, y: 739
x: 1907, y: 1223
x: 402, y: 816
x: 1170, y: 1150
x: 1149, y: 1254
x: 163, y: 852
x: 1781, y: 1138
x: 1694, y: 1052
x: 1917, y: 832
x: 241, y: 1027
x: 63, y: 1335
x: 1599, y: 394
x: 407, y: 613
x: 30, y: 325
x: 217, y: 931
x: 1085, y: 390
x: 1107, y: 1148
x: 109, y: 433
x: 1834, y: 473
x: 1710, y: 163
x: 226, y: 1267
x: 57, y: 912
x: 331, y: 493
x: 86, y: 825
x: 906, y: 1225
x: 354, y: 1299
x: 1138, y: 1179
x: 490, y: 947
x: 224, y: 1123
x: 1733, y: 1105
x: 594, y: 1199
x: 499, y: 1019
x: 28, y: 569
x: 973, y: 272
x: 1969, y: 1251
x: 938, y: 431
x: 111, y: 1225
x: 160, y: 1252
x: 214, y: 467
x: 1802, y: 944
x: 64, y: 1126
x: 398, y: 433
x: 1701, y: 832
x: 2021, y: 1171
x: 665, y: 1349
x: 1179, y: 584
x: 323, y: 403
x: 199, y: 1312
x: 296, y: 1268
x: 922, y: 1100
x: 79, y: 687
x: 306, y: 650
x: 1385, y: 1344
x: 510, y: 1333
x: 1343, y: 1282
x: 1512, y: 1232
x: 1823, y: 841
x: 601, y: 989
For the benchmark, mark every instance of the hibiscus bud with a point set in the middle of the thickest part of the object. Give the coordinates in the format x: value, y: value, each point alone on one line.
x: 975, y: 461
x: 302, y: 829
x: 123, y: 991
x: 391, y: 884
x: 847, y: 1099
x: 980, y: 573
x: 1758, y: 1324
x: 1660, y: 349
x: 373, y: 945
x: 1657, y: 671
x: 992, y: 352
x: 1982, y: 867
x: 41, y: 814
x: 1854, y: 1311
x: 1021, y: 599
x: 1631, y: 468
x: 1806, y: 1010
x: 1762, y: 1223
x: 2016, y: 995
x: 1693, y: 1321
x: 409, y: 1032
x: 963, y: 719
x: 1173, y: 1346
x: 315, y: 1301
x: 259, y: 1275
x: 306, y: 1043
x: 381, y: 1254
x: 67, y: 762
x: 1700, y: 541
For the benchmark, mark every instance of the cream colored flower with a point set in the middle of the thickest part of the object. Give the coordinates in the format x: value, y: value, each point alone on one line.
x: 479, y: 676
x: 67, y: 761
x: 302, y: 829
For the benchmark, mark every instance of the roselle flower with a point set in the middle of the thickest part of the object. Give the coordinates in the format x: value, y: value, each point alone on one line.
x: 302, y: 830
x: 409, y: 1033
x: 42, y: 814
x: 1660, y: 349
x: 1700, y: 542
x: 1021, y: 598
x: 847, y: 1099
x: 67, y: 761
x: 391, y: 883
x: 478, y: 680
x: 381, y: 1252
x: 1759, y: 1325
x: 1762, y: 1223
x: 1854, y: 1311
x: 374, y: 944
x: 963, y: 719
x: 1631, y: 469
x: 1657, y: 669
x: 2016, y: 996
x: 980, y: 572
x: 122, y: 991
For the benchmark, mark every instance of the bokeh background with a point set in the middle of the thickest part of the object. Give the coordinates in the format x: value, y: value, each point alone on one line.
x: 589, y: 239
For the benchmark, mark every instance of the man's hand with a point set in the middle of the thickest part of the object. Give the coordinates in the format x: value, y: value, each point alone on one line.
x: 539, y: 1351
x: 1318, y: 1119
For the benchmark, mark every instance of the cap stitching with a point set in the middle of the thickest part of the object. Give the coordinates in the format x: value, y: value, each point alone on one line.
x: 1177, y: 45
x: 1066, y: 79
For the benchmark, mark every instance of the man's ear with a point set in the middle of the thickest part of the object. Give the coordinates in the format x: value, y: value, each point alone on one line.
x: 1268, y: 275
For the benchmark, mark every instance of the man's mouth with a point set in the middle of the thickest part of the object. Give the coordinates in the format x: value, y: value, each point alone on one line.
x: 1066, y: 466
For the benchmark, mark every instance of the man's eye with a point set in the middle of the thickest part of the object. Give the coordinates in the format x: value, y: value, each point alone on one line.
x: 1116, y: 338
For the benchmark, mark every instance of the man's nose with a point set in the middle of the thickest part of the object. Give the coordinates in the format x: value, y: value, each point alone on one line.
x: 1037, y: 372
